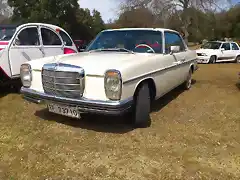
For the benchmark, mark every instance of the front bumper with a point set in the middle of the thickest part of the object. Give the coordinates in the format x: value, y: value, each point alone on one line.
x: 203, y: 59
x: 83, y: 105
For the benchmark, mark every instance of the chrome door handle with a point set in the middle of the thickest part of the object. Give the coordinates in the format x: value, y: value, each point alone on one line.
x: 177, y: 62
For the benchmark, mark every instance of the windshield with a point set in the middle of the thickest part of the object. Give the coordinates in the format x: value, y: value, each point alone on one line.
x: 211, y: 45
x: 6, y: 33
x: 141, y: 41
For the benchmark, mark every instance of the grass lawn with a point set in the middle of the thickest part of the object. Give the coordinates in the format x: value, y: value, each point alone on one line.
x: 194, y: 135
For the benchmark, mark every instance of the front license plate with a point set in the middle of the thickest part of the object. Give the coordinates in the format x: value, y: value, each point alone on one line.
x: 64, y: 110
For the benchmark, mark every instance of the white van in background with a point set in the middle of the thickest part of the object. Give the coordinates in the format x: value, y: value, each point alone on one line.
x: 26, y: 42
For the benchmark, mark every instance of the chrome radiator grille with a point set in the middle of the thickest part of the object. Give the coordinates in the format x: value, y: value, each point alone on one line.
x: 63, y: 80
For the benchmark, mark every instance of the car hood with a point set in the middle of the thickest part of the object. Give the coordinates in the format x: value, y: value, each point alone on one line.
x: 206, y: 51
x: 94, y: 63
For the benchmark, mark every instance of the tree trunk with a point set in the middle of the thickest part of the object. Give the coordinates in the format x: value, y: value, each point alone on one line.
x: 185, y: 32
x: 186, y: 20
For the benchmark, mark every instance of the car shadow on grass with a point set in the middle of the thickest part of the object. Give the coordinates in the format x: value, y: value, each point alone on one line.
x: 98, y: 123
x: 167, y: 98
x: 4, y: 91
x: 107, y: 124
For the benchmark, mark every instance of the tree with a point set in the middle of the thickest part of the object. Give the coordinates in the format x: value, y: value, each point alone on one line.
x: 57, y: 12
x: 232, y: 17
x: 5, y: 10
x: 98, y: 23
x: 67, y: 14
x: 182, y: 8
x: 130, y: 18
x: 85, y: 23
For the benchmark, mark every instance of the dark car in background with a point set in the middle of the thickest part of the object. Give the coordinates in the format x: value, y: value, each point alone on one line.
x: 6, y: 33
x: 81, y: 44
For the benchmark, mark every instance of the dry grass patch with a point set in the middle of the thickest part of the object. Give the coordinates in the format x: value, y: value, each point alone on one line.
x: 194, y: 135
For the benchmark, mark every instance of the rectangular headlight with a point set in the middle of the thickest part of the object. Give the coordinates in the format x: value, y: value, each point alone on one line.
x: 26, y: 75
x: 113, y: 84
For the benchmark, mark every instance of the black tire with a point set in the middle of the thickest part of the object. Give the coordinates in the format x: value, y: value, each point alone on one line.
x: 212, y: 59
x: 188, y: 83
x: 237, y: 60
x: 142, y: 106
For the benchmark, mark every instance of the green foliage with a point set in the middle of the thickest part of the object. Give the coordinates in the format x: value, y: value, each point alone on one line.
x: 98, y: 24
x: 67, y: 14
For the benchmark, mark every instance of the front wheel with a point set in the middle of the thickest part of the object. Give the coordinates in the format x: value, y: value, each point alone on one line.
x: 238, y: 60
x: 188, y: 83
x: 212, y: 59
x: 141, y: 110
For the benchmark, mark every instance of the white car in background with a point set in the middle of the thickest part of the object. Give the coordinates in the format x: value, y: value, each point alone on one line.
x: 122, y: 70
x: 218, y: 51
x: 26, y: 42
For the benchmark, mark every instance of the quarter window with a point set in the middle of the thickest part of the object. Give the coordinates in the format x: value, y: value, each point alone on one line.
x: 173, y: 39
x: 226, y: 46
x: 50, y: 38
x: 66, y: 40
x: 234, y: 46
x: 28, y: 37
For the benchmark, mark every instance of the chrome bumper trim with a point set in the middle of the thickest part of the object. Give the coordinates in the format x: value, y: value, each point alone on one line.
x: 84, y: 105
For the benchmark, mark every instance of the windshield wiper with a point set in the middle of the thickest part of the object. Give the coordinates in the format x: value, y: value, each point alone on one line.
x: 112, y: 49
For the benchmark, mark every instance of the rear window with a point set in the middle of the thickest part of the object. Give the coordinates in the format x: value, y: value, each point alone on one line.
x: 67, y: 41
x: 6, y: 33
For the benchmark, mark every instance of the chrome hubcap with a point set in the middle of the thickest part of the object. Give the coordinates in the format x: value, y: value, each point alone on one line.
x: 189, y: 81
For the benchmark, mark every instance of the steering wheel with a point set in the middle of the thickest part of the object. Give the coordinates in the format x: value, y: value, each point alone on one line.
x: 145, y: 46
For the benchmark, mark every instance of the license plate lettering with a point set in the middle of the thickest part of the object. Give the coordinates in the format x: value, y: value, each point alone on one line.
x: 64, y: 110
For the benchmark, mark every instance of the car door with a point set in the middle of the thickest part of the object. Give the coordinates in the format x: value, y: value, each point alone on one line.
x: 25, y: 47
x: 177, y: 61
x: 235, y: 49
x: 226, y: 53
x: 52, y: 44
x: 69, y: 45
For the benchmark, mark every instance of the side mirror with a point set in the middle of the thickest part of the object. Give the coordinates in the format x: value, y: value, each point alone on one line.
x: 222, y: 49
x: 17, y: 42
x: 81, y: 48
x: 174, y: 49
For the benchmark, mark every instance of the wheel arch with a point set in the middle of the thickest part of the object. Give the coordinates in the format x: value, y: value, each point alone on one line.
x: 191, y: 67
x: 216, y: 56
x: 152, y: 87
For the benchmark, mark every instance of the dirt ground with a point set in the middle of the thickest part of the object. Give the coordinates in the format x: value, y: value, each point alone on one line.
x: 194, y: 135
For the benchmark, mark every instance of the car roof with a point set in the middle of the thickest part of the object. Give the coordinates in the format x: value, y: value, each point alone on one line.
x: 223, y: 41
x: 148, y: 29
x: 42, y: 24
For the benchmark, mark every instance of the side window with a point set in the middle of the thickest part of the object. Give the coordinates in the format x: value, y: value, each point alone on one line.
x: 66, y: 40
x: 50, y: 38
x: 173, y: 39
x: 234, y: 46
x: 226, y: 46
x: 28, y: 37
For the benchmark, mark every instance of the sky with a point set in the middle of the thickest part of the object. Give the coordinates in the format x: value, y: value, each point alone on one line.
x: 108, y: 8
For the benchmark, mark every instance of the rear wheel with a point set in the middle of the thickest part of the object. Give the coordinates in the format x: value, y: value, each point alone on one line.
x: 188, y: 83
x: 237, y: 59
x: 141, y: 111
x: 212, y: 59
